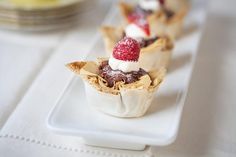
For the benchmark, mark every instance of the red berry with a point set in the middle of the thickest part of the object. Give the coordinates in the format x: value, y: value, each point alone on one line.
x: 132, y: 17
x: 143, y: 24
x: 140, y: 21
x: 127, y: 49
x: 162, y: 2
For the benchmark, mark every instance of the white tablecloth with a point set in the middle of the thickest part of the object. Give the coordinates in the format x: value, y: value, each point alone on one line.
x: 208, y: 124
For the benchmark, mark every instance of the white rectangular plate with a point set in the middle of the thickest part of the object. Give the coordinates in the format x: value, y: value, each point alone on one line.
x: 73, y: 116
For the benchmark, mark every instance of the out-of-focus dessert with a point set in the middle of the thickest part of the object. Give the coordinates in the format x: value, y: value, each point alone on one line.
x: 155, y: 50
x: 164, y: 16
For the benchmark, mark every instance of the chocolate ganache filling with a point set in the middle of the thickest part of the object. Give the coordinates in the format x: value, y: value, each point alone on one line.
x: 113, y: 76
x: 168, y: 13
x: 146, y: 42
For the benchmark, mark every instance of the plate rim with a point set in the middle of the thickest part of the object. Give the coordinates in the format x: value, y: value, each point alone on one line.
x: 6, y: 5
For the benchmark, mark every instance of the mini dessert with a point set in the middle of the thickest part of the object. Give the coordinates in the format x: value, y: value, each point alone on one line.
x: 155, y: 50
x: 163, y: 17
x: 118, y: 86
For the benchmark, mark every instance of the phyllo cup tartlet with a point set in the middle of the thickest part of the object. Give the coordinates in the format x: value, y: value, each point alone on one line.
x: 154, y: 55
x: 163, y: 21
x: 117, y: 86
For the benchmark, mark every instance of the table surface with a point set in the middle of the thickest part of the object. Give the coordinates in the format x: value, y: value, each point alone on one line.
x: 208, y: 124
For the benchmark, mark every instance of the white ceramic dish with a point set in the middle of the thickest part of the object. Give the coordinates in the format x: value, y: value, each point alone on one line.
x: 72, y: 115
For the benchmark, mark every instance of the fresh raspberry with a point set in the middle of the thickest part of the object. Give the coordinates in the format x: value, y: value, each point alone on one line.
x: 143, y: 24
x: 140, y: 21
x: 135, y: 16
x: 127, y: 49
x: 162, y: 2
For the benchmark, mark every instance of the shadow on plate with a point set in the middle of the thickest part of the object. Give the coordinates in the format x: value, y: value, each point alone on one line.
x: 189, y: 30
x: 167, y: 101
x: 179, y: 61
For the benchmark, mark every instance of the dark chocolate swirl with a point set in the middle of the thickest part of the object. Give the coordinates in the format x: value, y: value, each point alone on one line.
x: 113, y: 76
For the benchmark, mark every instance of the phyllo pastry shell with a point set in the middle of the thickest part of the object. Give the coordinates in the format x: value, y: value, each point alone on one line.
x: 154, y: 56
x: 120, y: 100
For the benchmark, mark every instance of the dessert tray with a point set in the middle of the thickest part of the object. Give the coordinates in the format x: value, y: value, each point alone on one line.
x: 72, y: 115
